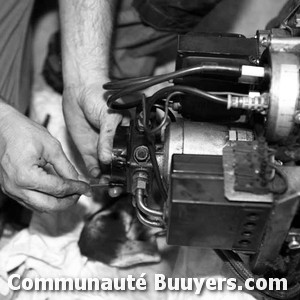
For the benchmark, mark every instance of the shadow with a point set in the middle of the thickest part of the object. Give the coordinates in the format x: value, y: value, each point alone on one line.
x: 222, y: 18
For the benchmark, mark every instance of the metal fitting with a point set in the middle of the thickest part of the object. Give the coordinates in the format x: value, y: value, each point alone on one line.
x: 257, y: 103
x: 140, y: 181
x: 141, y: 153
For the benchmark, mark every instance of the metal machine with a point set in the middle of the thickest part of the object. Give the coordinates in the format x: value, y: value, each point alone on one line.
x: 220, y: 168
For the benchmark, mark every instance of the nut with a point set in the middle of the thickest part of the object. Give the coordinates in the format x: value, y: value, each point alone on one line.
x: 141, y: 153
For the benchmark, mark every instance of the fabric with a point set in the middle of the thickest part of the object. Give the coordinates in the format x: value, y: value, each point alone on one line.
x: 173, y: 15
x: 14, y: 52
x: 136, y: 46
x: 147, y: 30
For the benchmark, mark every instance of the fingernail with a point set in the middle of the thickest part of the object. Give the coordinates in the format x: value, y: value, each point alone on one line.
x: 95, y: 172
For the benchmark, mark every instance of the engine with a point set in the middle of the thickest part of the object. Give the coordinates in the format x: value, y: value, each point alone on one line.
x: 219, y: 166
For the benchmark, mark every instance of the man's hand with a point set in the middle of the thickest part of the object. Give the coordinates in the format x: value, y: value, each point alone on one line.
x: 86, y: 29
x: 91, y: 124
x: 33, y: 167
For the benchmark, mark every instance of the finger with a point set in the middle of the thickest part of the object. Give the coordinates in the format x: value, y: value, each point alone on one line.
x: 108, y: 128
x: 39, y: 180
x: 41, y: 202
x: 22, y: 201
x: 92, y: 164
x: 54, y: 154
x: 47, y: 203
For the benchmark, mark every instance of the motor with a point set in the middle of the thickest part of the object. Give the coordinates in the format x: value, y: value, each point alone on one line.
x: 224, y: 154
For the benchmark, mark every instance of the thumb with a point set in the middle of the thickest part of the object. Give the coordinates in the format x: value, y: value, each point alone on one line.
x: 108, y: 126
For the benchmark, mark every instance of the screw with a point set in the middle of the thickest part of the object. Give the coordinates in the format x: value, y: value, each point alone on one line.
x: 141, y: 153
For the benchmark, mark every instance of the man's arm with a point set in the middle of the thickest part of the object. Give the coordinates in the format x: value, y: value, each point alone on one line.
x: 86, y: 39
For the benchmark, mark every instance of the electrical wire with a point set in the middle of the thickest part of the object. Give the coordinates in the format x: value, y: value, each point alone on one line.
x: 148, y: 103
x: 151, y: 147
x: 125, y: 83
x: 158, y: 178
x: 147, y: 106
x: 186, y: 90
x: 229, y: 93
x: 165, y: 118
x: 169, y: 112
x: 145, y: 83
x: 284, y: 178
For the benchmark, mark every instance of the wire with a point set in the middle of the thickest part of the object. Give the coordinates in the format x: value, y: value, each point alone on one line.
x: 147, y: 106
x: 146, y: 83
x: 187, y: 90
x: 165, y: 118
x: 125, y: 83
x: 148, y: 103
x: 158, y: 178
x: 169, y: 112
x: 229, y: 93
x: 284, y: 178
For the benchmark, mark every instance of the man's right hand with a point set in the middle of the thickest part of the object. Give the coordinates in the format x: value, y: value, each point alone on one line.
x: 33, y: 167
x: 91, y: 124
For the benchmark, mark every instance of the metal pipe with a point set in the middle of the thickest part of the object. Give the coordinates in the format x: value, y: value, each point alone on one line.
x: 147, y: 222
x: 139, y: 198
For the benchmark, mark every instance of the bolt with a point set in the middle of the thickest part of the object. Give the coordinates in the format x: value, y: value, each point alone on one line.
x: 141, y: 153
x: 294, y: 244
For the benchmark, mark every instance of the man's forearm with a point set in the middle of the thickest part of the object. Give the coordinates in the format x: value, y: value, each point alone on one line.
x: 86, y: 27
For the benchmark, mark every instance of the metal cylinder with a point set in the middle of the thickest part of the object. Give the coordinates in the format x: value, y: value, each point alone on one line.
x: 284, y: 89
x: 193, y: 138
